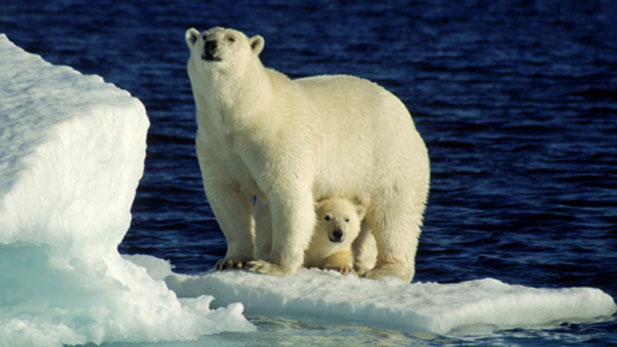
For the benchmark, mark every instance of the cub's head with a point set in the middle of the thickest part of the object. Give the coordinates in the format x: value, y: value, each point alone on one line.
x: 220, y: 48
x: 338, y: 221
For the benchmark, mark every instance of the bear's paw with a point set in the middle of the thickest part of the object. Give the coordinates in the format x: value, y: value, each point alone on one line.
x: 265, y: 268
x: 396, y: 270
x: 229, y: 264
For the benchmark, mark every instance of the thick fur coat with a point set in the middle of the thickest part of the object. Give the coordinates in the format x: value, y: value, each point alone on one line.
x: 293, y: 142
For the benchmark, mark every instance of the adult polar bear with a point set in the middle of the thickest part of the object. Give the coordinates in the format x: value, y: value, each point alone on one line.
x: 292, y: 142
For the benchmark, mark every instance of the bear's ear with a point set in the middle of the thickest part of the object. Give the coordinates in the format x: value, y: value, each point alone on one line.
x: 361, y: 210
x: 257, y: 44
x: 191, y: 37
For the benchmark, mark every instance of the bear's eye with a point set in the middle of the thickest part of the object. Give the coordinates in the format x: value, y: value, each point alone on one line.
x: 327, y: 218
x: 231, y: 39
x: 347, y: 219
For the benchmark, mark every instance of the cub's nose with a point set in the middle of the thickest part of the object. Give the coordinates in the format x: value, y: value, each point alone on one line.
x: 211, y: 45
x: 336, y: 235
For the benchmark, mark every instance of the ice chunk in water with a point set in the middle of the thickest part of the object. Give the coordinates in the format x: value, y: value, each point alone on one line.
x: 72, y: 151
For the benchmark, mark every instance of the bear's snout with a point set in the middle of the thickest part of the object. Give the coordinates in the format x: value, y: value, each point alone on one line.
x: 336, y: 235
x: 210, y: 48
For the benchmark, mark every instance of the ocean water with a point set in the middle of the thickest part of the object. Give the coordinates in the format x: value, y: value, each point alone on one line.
x: 516, y: 100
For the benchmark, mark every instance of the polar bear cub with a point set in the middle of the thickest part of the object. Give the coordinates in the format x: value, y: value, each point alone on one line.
x: 338, y: 225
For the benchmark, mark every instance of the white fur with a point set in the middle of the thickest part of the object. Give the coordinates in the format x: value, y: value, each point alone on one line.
x: 293, y: 142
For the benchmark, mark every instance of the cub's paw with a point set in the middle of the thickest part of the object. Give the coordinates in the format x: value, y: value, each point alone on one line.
x: 345, y: 270
x: 265, y: 268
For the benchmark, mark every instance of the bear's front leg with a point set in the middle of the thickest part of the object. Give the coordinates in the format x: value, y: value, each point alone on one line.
x: 234, y: 212
x: 293, y: 220
x: 263, y: 230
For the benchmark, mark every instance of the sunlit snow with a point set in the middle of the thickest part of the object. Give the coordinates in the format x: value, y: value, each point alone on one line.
x: 329, y: 297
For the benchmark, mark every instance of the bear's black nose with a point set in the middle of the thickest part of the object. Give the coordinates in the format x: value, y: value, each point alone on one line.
x: 336, y: 235
x: 210, y: 51
x: 211, y: 45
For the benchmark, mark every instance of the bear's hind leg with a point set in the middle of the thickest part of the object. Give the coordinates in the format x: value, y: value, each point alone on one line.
x: 396, y: 233
x: 364, y: 250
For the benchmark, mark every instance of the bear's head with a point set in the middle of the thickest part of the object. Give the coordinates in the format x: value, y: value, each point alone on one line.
x: 221, y: 48
x: 338, y: 222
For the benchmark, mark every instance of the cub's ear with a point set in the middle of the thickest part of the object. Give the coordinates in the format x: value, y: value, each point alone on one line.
x: 361, y: 210
x: 257, y: 44
x: 191, y: 37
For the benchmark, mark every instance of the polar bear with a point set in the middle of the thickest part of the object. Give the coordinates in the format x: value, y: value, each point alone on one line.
x: 338, y: 225
x: 292, y: 142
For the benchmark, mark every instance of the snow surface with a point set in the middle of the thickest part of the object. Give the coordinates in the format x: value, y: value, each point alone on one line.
x: 331, y: 298
x: 71, y: 154
x: 72, y: 151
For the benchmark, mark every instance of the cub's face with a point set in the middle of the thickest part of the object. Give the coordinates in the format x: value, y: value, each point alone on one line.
x: 338, y: 222
x: 220, y: 48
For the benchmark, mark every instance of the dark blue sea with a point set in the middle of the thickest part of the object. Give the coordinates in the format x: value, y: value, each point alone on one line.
x: 516, y: 100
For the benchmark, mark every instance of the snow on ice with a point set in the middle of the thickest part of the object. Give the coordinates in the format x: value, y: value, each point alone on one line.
x: 72, y: 150
x: 332, y: 298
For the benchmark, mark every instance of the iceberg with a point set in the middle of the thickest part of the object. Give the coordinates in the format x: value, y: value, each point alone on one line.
x: 72, y: 151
